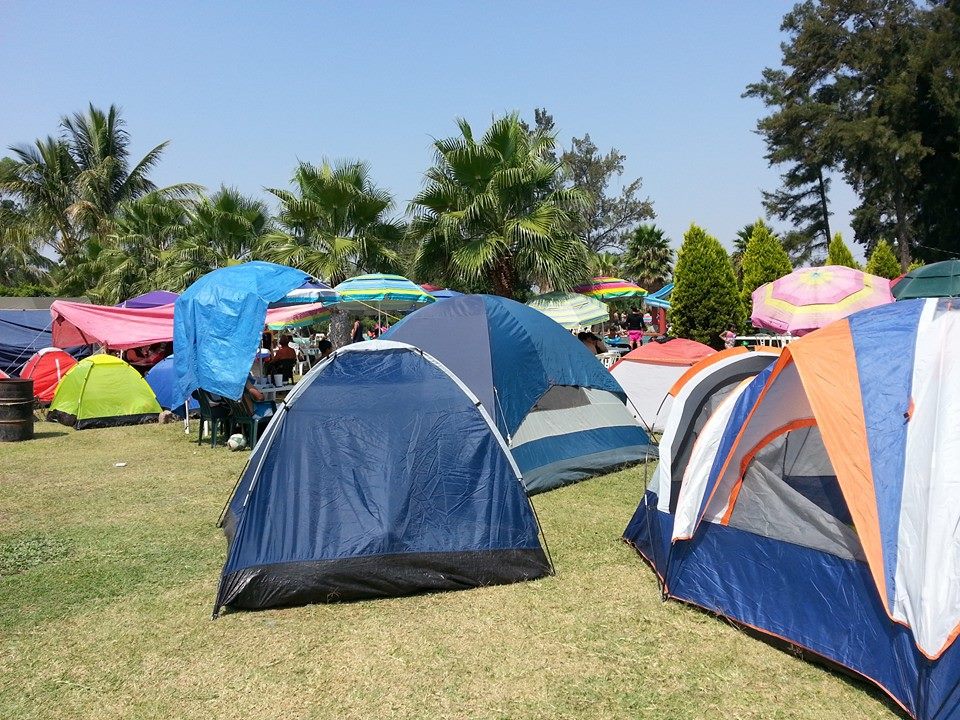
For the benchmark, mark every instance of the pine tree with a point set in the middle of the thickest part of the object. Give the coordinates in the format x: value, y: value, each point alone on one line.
x: 839, y: 254
x: 883, y: 261
x: 705, y: 300
x: 764, y: 260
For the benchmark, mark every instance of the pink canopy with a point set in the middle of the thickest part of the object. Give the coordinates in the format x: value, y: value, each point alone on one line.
x: 113, y: 327
x: 119, y: 328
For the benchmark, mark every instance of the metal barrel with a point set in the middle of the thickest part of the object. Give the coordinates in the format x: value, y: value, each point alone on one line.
x: 16, y: 410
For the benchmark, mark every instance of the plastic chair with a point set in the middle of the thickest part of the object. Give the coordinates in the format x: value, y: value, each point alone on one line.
x: 248, y: 424
x: 214, y: 413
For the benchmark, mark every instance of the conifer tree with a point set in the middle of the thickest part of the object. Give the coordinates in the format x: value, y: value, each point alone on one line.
x: 764, y: 260
x: 839, y: 254
x: 705, y: 300
x: 883, y: 261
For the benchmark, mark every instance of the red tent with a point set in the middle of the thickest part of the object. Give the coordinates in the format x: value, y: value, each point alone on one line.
x: 672, y: 352
x: 46, y: 368
x: 3, y: 375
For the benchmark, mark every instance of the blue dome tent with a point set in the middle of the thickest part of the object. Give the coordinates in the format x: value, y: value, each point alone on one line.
x: 381, y: 475
x: 563, y: 415
x: 162, y: 379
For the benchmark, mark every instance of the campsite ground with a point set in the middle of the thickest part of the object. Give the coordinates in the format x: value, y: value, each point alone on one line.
x: 107, y: 578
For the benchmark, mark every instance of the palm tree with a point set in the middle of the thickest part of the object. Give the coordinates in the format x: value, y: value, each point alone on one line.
x: 21, y: 262
x: 72, y: 187
x: 41, y: 177
x: 336, y: 223
x: 606, y: 264
x: 216, y: 231
x: 648, y: 257
x: 493, y: 212
x: 131, y: 261
x: 100, y: 146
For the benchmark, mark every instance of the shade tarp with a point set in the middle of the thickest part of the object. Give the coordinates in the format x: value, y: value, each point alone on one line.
x: 112, y: 327
x: 154, y: 298
x: 22, y: 333
x: 218, y: 323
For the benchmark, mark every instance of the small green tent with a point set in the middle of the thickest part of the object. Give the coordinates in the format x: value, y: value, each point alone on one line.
x: 103, y: 391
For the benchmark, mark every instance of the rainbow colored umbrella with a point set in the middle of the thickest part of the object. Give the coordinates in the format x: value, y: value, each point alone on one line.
x: 295, y: 316
x: 571, y: 310
x: 610, y: 288
x: 381, y: 292
x: 810, y: 298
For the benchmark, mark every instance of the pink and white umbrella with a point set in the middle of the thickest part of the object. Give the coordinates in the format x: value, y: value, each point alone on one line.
x: 810, y: 298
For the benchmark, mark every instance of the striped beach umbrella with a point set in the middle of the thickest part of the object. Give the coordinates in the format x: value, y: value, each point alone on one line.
x: 610, y: 288
x: 810, y: 298
x: 312, y: 291
x: 572, y: 310
x: 381, y: 292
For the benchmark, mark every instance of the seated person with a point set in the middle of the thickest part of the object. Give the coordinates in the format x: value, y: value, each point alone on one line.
x: 254, y: 402
x: 613, y: 333
x: 282, y: 360
x: 592, y: 342
x: 284, y: 352
x: 326, y: 349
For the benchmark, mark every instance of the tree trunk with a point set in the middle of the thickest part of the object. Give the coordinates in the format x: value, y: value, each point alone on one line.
x: 903, y: 234
x: 822, y: 187
x: 501, y: 278
x: 340, y: 324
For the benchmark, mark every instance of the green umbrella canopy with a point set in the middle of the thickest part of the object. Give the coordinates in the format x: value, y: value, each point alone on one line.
x: 940, y: 279
x: 571, y: 310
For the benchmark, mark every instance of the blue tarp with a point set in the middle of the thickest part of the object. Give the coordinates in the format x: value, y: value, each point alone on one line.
x: 379, y: 477
x: 217, y: 324
x: 162, y: 380
x: 508, y: 354
x: 24, y: 332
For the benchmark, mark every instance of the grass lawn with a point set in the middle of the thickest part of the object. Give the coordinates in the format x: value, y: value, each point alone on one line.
x: 108, y: 575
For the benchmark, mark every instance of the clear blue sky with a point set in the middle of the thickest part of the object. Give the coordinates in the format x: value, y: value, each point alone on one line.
x: 243, y: 91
